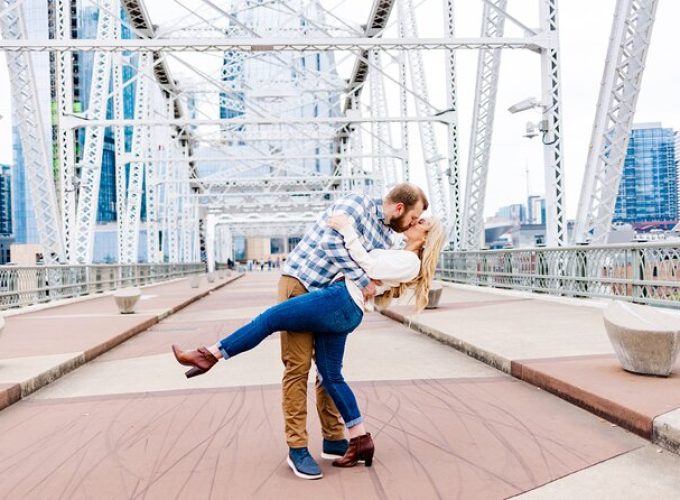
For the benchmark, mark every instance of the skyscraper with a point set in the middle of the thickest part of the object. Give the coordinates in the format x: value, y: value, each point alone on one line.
x: 648, y: 191
x: 6, y: 235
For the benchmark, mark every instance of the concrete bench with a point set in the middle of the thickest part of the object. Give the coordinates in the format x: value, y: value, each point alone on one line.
x: 646, y: 339
x: 126, y: 298
x: 195, y: 280
x: 433, y: 296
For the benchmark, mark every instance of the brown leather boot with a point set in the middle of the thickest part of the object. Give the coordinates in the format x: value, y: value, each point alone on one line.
x: 360, y: 449
x: 201, y: 360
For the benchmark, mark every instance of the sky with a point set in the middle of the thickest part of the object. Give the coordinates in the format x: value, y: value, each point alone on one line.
x: 585, y: 27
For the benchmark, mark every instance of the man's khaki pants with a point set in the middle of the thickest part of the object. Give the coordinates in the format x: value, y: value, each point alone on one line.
x: 297, y: 350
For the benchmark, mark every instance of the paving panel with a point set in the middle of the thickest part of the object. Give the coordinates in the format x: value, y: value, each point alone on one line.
x: 128, y: 424
x: 601, y: 385
x: 434, y: 438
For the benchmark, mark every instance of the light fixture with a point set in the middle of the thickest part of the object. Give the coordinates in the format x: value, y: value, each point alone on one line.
x: 528, y: 103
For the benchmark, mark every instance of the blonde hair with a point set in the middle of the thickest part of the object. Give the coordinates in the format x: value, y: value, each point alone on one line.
x: 429, y: 255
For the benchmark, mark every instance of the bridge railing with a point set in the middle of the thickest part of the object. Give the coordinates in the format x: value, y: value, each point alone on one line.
x: 27, y: 285
x: 647, y: 273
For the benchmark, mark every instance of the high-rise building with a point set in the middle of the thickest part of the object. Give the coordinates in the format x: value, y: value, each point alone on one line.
x: 6, y: 235
x: 648, y: 191
x: 535, y: 210
x: 515, y: 213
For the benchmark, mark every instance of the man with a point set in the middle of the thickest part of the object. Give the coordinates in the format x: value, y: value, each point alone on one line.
x: 314, y: 262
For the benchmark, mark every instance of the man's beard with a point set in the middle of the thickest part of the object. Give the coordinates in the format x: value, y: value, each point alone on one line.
x: 399, y: 224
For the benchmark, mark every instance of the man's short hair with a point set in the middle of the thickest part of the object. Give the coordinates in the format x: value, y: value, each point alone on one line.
x: 408, y: 194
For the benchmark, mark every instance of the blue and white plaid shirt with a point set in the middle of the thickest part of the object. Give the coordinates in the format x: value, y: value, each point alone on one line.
x: 321, y: 254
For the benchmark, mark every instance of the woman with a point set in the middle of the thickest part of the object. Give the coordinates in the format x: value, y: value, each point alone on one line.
x: 334, y: 312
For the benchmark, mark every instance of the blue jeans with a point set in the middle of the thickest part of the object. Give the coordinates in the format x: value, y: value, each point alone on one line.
x: 332, y: 315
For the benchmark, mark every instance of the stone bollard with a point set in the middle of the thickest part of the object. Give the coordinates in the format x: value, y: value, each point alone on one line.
x: 2, y: 324
x: 126, y: 298
x: 221, y: 275
x: 210, y: 277
x: 229, y: 274
x: 433, y: 296
x: 646, y: 339
x: 195, y: 280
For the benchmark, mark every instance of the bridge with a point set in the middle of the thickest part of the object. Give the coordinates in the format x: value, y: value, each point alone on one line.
x: 152, y: 139
x: 483, y: 397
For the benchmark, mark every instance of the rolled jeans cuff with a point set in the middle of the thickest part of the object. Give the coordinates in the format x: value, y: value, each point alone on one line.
x: 224, y: 352
x: 354, y: 422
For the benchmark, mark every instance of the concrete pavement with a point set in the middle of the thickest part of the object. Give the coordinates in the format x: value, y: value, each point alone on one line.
x: 41, y: 345
x: 129, y: 425
x: 556, y: 344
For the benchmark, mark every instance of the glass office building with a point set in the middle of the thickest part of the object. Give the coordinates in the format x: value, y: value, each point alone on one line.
x: 648, y: 191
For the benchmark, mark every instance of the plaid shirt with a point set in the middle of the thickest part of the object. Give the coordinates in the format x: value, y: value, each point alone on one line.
x: 321, y: 254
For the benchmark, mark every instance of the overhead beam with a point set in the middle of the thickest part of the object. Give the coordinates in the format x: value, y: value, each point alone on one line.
x: 274, y: 44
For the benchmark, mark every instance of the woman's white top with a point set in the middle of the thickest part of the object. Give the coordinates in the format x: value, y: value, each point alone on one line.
x: 392, y: 267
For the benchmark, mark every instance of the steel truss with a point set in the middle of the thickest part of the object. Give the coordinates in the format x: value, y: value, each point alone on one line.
x: 292, y: 134
x: 488, y: 66
x: 35, y: 147
x: 628, y: 45
x: 258, y: 45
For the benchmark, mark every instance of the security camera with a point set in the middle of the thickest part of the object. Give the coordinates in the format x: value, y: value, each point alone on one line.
x: 528, y: 103
x: 531, y: 130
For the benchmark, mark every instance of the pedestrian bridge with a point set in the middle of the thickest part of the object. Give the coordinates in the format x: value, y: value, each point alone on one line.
x: 493, y: 394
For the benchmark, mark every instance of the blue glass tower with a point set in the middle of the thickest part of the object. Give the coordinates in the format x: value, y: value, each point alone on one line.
x: 648, y: 191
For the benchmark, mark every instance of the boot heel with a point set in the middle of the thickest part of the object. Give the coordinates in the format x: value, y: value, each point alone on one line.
x: 368, y: 461
x: 194, y: 371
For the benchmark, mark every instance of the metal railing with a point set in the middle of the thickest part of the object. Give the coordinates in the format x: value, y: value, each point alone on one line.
x: 23, y: 286
x: 647, y: 273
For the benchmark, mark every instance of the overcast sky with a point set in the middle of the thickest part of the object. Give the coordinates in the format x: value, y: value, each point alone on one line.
x: 585, y: 27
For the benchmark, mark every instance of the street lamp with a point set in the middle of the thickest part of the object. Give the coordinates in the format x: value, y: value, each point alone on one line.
x: 533, y: 128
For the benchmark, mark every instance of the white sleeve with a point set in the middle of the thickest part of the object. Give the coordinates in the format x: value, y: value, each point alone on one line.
x: 397, y: 265
x: 356, y: 249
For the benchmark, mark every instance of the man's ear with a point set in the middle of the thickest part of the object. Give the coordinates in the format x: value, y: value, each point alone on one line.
x: 399, y: 209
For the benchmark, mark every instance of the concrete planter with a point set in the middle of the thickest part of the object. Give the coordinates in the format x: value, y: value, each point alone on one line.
x: 646, y: 339
x: 126, y: 299
x: 195, y: 281
x: 433, y: 296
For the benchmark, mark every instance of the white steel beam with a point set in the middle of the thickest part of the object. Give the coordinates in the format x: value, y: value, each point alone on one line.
x: 65, y: 136
x: 88, y: 194
x: 140, y: 144
x: 452, y: 104
x: 628, y: 45
x: 77, y: 122
x: 160, y: 45
x: 35, y: 146
x: 552, y: 140
x: 488, y: 65
x: 432, y: 158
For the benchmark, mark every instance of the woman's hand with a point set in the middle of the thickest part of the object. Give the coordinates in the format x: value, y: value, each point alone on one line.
x: 337, y: 221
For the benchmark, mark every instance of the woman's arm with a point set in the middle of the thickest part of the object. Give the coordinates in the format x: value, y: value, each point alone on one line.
x: 397, y: 265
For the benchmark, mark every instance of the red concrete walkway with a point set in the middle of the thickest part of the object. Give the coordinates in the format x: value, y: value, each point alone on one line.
x: 129, y: 425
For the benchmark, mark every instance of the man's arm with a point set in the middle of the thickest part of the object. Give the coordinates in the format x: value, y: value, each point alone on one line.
x: 333, y: 245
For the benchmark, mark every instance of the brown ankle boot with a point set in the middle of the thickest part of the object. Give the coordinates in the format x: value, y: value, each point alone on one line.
x: 201, y: 360
x: 360, y: 449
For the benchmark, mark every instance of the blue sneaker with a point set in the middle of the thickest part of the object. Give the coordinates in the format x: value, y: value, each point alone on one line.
x: 303, y: 465
x: 332, y: 450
